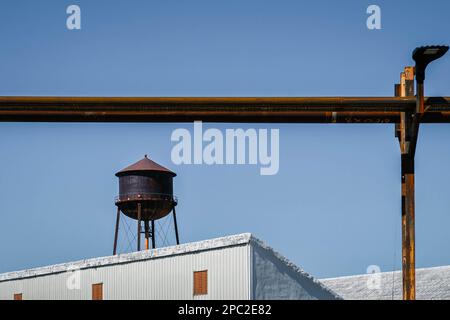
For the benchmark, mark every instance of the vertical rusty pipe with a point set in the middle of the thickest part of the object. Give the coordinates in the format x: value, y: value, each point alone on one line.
x: 116, y: 233
x: 408, y: 228
x: 147, y: 234
x: 175, y: 225
x: 408, y: 193
x: 407, y: 132
x: 153, y: 235
x: 400, y: 91
x: 139, y: 227
x: 404, y: 197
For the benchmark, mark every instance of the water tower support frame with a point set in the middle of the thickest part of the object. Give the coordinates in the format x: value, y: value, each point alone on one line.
x: 116, y: 233
x: 153, y: 235
x: 147, y: 233
x: 139, y: 226
x: 149, y: 229
x: 175, y: 224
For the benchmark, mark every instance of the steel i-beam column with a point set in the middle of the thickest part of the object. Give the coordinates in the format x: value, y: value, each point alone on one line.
x: 408, y: 228
x: 407, y: 134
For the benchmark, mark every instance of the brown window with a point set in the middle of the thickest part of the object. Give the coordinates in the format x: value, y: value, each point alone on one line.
x: 97, y: 291
x: 17, y: 296
x: 200, y: 282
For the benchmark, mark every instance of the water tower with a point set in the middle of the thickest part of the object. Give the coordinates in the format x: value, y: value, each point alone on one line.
x: 145, y: 195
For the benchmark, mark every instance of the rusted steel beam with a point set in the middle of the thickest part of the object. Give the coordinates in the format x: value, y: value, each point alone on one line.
x: 408, y: 130
x: 213, y: 109
x: 408, y: 228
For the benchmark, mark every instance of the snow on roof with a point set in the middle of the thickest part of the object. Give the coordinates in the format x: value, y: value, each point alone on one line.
x: 228, y: 241
x: 431, y: 284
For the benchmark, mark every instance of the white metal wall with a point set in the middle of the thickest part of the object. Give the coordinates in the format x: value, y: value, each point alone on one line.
x: 275, y: 277
x: 158, y: 278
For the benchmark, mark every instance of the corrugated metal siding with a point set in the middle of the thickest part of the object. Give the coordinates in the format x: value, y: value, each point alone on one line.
x: 158, y: 278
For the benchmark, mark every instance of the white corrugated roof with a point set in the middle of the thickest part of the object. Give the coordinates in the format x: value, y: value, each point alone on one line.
x: 228, y: 241
x: 431, y: 283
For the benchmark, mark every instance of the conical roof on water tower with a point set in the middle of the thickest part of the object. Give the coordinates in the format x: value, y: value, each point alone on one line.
x: 145, y: 165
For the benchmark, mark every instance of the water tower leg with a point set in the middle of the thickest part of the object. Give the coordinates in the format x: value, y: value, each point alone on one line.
x: 153, y: 235
x: 176, y: 226
x: 116, y: 233
x: 139, y: 227
x: 147, y: 233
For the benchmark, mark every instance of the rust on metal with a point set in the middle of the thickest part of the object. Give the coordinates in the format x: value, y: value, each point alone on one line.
x: 145, y: 194
x: 149, y: 184
x: 219, y: 109
x: 409, y: 275
x: 407, y: 132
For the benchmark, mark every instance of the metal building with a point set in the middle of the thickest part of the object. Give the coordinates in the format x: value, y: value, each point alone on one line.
x: 232, y: 267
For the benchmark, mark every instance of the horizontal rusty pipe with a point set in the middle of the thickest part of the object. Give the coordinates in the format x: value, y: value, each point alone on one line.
x: 216, y: 109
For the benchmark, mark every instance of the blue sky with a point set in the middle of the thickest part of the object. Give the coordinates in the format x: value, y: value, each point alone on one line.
x: 334, y: 206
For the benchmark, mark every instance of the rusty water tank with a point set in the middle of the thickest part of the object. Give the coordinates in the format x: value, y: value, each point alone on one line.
x: 149, y: 184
